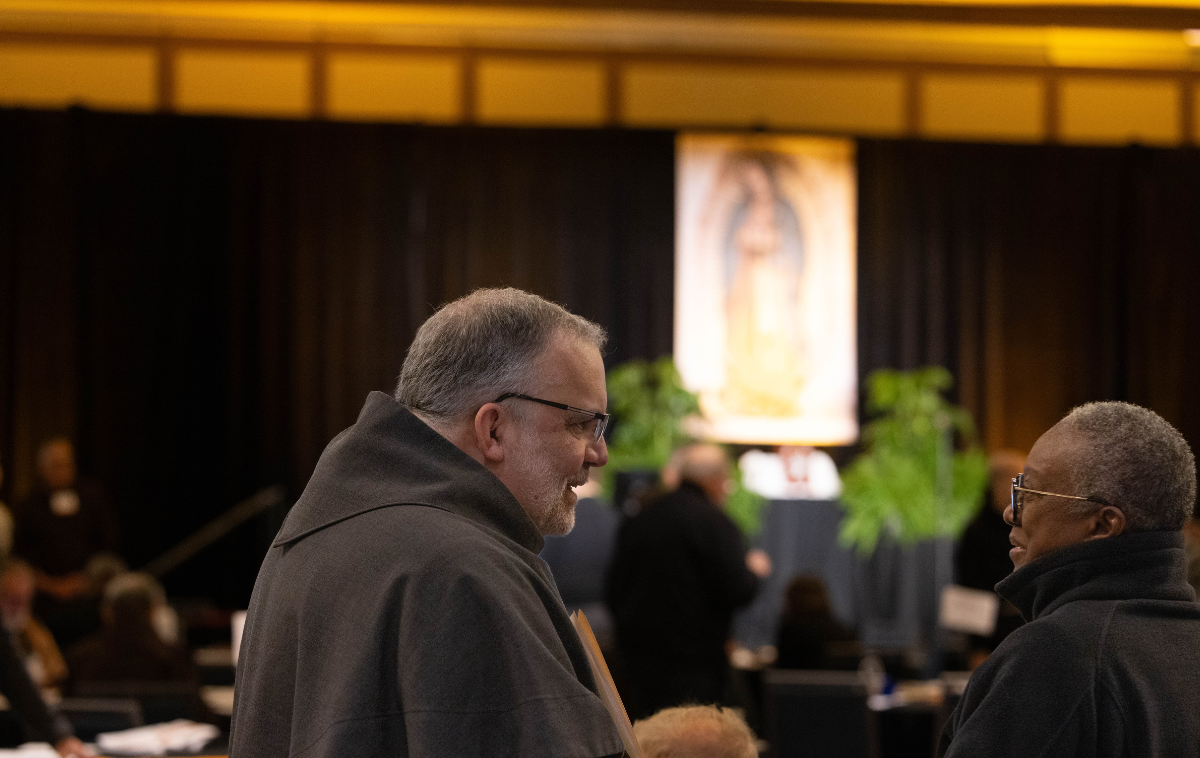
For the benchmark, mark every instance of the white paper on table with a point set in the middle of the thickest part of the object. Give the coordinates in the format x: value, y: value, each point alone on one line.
x: 156, y: 739
x: 30, y: 750
x: 966, y: 610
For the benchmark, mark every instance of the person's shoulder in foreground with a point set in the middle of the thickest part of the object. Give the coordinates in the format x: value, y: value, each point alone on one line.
x: 1109, y: 663
x: 402, y: 609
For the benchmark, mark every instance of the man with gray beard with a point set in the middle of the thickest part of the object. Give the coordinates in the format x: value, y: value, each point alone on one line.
x: 403, y: 610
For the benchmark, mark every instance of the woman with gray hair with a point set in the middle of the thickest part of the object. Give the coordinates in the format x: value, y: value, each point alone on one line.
x: 1109, y: 661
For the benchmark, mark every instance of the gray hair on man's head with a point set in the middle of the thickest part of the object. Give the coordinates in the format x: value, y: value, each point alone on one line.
x: 1137, y: 462
x: 696, y: 731
x: 481, y: 346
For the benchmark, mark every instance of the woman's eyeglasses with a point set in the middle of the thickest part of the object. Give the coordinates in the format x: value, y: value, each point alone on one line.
x: 1016, y: 501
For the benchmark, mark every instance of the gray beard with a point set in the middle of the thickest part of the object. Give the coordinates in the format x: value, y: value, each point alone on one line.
x: 552, y: 506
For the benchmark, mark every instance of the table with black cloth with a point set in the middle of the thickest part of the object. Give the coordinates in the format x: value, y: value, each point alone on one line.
x: 889, y: 597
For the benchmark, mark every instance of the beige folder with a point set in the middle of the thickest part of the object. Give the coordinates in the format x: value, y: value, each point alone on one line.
x: 604, y: 683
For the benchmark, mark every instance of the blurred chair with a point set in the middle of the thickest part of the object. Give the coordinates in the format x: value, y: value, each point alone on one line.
x: 159, y: 701
x: 822, y: 714
x: 90, y: 716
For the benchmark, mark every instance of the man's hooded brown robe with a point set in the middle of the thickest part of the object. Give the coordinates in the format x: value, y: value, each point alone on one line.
x: 403, y: 611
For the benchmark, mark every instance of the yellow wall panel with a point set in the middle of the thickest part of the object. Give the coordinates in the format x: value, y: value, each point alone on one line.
x: 395, y: 87
x: 243, y: 82
x: 968, y: 106
x: 51, y: 76
x: 1118, y: 110
x: 515, y: 91
x: 717, y: 95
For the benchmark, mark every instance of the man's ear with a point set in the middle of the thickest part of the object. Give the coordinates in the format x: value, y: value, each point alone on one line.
x: 1109, y: 521
x: 489, y: 428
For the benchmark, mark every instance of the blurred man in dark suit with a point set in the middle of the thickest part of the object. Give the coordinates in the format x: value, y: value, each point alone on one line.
x: 679, y: 572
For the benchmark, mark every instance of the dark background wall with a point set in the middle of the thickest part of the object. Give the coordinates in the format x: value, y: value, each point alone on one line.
x: 1042, y: 276
x: 203, y: 303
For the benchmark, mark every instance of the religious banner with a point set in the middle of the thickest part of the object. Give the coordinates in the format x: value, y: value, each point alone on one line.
x: 765, y: 287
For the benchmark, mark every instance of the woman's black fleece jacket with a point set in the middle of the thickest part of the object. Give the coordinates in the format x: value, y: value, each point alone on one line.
x: 1108, y: 665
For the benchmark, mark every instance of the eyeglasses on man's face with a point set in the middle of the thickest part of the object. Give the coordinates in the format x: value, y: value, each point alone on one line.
x: 1016, y: 499
x: 600, y: 419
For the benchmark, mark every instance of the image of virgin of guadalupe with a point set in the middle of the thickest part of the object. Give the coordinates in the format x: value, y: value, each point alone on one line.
x: 764, y: 256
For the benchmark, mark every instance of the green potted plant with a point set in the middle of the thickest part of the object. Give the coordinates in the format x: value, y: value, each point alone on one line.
x: 650, y: 403
x: 912, y: 481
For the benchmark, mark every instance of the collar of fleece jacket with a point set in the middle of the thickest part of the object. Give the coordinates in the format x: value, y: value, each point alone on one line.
x: 1134, y: 565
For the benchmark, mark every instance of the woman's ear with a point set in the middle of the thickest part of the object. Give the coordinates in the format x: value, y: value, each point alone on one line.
x: 1109, y: 521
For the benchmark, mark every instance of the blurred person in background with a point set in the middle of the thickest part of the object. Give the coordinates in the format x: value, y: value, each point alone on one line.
x: 138, y: 641
x: 79, y: 617
x: 1191, y: 548
x: 669, y: 477
x: 32, y: 640
x: 679, y: 571
x: 808, y: 629
x: 981, y: 559
x: 63, y: 523
x: 698, y: 731
x: 42, y: 721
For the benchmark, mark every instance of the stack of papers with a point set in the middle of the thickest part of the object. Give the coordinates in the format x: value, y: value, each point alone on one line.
x: 179, y: 735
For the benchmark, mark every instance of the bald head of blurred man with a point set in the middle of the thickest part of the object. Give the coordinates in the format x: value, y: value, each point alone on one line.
x: 707, y: 467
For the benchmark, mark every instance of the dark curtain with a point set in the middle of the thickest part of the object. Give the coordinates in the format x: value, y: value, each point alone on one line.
x: 1042, y: 276
x: 203, y: 303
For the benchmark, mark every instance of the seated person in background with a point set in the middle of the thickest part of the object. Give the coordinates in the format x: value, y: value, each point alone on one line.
x: 981, y: 558
x: 679, y: 571
x: 79, y: 617
x: 63, y: 523
x: 698, y: 731
x: 32, y: 641
x: 130, y: 647
x: 808, y: 627
x: 42, y: 721
x: 1108, y: 663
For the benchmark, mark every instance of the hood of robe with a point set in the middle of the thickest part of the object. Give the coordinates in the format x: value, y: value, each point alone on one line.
x: 390, y: 458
